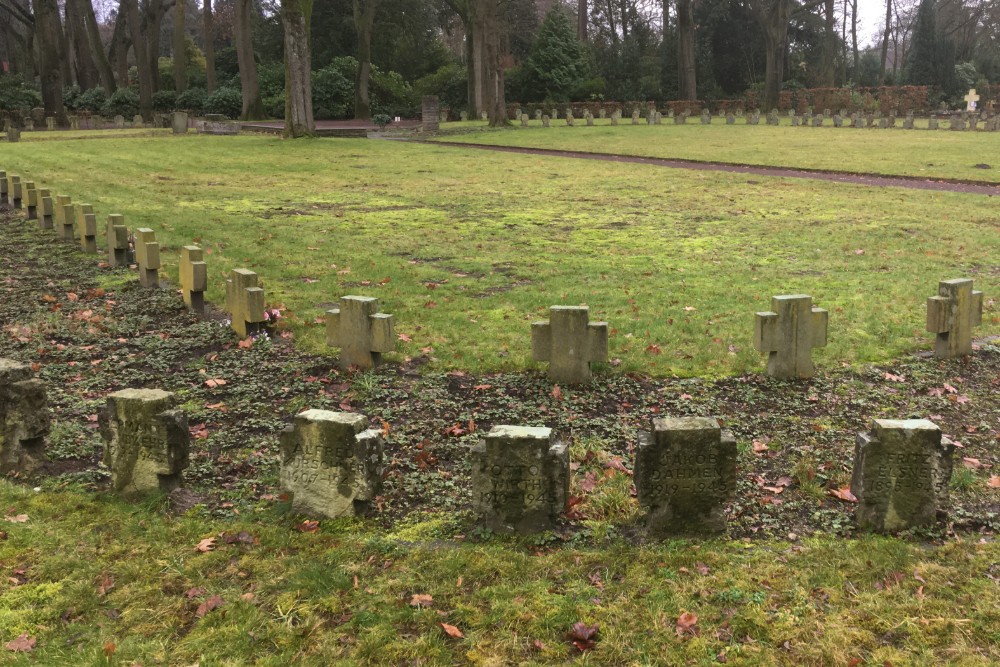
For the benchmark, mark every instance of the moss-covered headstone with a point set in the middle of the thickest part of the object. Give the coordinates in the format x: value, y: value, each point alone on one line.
x: 24, y: 418
x: 331, y: 463
x: 520, y: 478
x: 901, y: 473
x: 146, y: 441
x: 685, y: 474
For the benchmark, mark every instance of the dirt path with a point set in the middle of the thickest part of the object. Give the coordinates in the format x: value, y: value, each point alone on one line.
x: 871, y: 180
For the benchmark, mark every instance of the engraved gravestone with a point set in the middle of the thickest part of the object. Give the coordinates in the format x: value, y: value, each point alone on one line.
x: 635, y: 116
x: 245, y: 302
x: 146, y: 441
x: 788, y: 333
x: 520, y: 478
x: 524, y: 120
x: 147, y: 257
x: 430, y: 113
x: 31, y: 200
x: 706, y: 117
x: 86, y: 223
x: 545, y: 121
x: 117, y: 240
x: 569, y: 342
x: 193, y: 277
x: 361, y: 332
x: 538, y: 114
x: 25, y: 418
x: 179, y: 122
x: 951, y: 315
x: 331, y: 463
x: 685, y: 474
x: 901, y: 473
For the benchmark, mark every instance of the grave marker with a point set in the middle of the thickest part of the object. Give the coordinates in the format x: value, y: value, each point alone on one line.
x: 14, y: 191
x: 430, y: 113
x: 31, y: 199
x: 546, y: 121
x: 25, y: 418
x: 119, y: 122
x: 4, y: 189
x: 331, y: 463
x: 147, y: 257
x: 685, y: 473
x: 193, y: 274
x: 788, y: 333
x: 361, y: 332
x: 50, y: 122
x: 179, y: 122
x: 86, y: 223
x: 901, y: 473
x: 951, y: 315
x: 46, y: 208
x: 65, y: 217
x: 569, y: 342
x: 971, y: 100
x: 520, y: 478
x: 146, y: 440
x: 117, y: 240
x: 245, y: 302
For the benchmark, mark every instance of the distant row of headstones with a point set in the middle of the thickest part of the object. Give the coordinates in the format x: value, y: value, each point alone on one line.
x: 332, y: 464
x: 178, y: 121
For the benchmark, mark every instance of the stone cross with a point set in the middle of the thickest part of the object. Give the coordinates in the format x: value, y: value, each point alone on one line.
x: 706, y: 117
x: 4, y: 189
x: 331, y: 463
x: 685, y: 473
x: 635, y: 116
x: 86, y: 223
x: 545, y: 121
x: 63, y: 204
x: 520, y: 478
x: 117, y: 240
x: 193, y: 274
x: 951, y: 315
x: 245, y: 302
x: 25, y: 418
x: 50, y: 122
x: 569, y: 342
x: 45, y: 214
x: 901, y: 473
x: 137, y: 120
x: 970, y: 100
x: 31, y: 199
x: 524, y: 120
x: 146, y: 440
x: 147, y: 257
x: 14, y: 191
x: 538, y: 114
x: 788, y: 333
x: 361, y: 332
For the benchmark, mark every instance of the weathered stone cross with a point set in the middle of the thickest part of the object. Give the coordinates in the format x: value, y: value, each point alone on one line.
x: 951, y: 315
x: 14, y: 190
x: 147, y: 257
x: 87, y: 228
x: 45, y: 204
x: 4, y: 192
x: 64, y: 217
x: 970, y: 100
x: 245, y: 302
x: 569, y: 342
x: 361, y: 332
x: 117, y: 239
x: 31, y: 199
x: 194, y: 277
x: 788, y: 333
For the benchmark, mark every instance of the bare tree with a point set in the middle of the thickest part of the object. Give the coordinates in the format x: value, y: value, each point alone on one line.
x: 209, y: 46
x: 486, y: 23
x: 50, y: 52
x: 885, y: 41
x: 364, y: 23
x: 253, y: 107
x: 179, y: 49
x: 93, y: 34
x: 581, y: 20
x: 688, y: 83
x: 295, y: 17
x: 139, y: 46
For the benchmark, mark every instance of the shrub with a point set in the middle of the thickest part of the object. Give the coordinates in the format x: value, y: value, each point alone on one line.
x: 450, y: 84
x: 92, y: 100
x: 225, y: 101
x: 275, y: 106
x: 16, y: 94
x: 191, y: 100
x: 272, y: 79
x: 123, y: 102
x: 381, y: 120
x: 164, y: 100
x: 71, y: 97
x: 333, y: 89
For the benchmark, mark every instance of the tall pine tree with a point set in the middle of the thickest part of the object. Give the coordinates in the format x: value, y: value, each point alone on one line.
x: 557, y: 64
x: 923, y: 66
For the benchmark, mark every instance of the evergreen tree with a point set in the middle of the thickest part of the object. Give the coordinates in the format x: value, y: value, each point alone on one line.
x: 557, y: 64
x: 923, y: 66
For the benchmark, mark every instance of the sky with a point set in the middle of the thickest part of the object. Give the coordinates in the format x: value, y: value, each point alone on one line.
x: 871, y: 16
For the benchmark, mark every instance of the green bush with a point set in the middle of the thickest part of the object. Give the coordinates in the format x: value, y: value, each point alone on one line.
x: 225, y: 101
x: 71, y: 97
x: 333, y: 89
x: 123, y: 102
x: 16, y: 94
x: 164, y: 100
x: 381, y: 120
x: 275, y: 105
x: 92, y: 100
x: 272, y: 79
x: 191, y: 100
x: 392, y: 95
x: 450, y: 84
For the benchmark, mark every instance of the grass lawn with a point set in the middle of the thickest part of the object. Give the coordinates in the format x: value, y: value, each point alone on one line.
x: 466, y: 249
x: 941, y: 154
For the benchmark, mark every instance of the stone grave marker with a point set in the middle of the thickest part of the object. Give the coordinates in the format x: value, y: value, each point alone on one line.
x: 46, y: 218
x: 430, y: 113
x: 13, y: 134
x: 86, y: 223
x: 361, y: 332
x: 331, y: 463
x: 464, y: 115
x: 932, y: 124
x: 117, y: 240
x: 680, y: 119
x: 25, y: 418
x: 4, y: 189
x: 193, y: 275
x: 524, y: 120
x: 602, y: 113
x: 589, y: 117
x: 245, y: 302
x: 50, y: 122
x: 685, y: 474
x: 838, y: 120
x: 650, y: 117
x: 484, y: 116
x: 29, y: 124
x: 908, y: 121
x: 788, y: 333
x: 796, y: 121
x: 119, y: 122
x: 179, y: 122
x: 146, y: 440
x: 971, y: 100
x: 706, y: 117
x: 545, y: 121
x: 137, y: 121
x: 147, y: 257
x: 555, y: 113
x: 951, y: 315
x: 74, y: 122
x: 957, y: 123
x: 15, y: 192
x: 658, y: 118
x: 31, y: 200
x: 818, y: 121
x: 65, y: 217
x: 614, y: 120
x: 569, y: 342
x: 221, y: 128
x: 730, y: 119
x: 892, y: 119
x: 973, y: 123
x: 826, y: 113
x: 97, y: 122
x: 570, y: 119
x: 538, y: 114
x: 754, y: 118
x: 520, y: 478
x: 883, y: 123
x: 772, y: 118
x: 635, y: 116
x: 670, y: 113
x: 901, y: 473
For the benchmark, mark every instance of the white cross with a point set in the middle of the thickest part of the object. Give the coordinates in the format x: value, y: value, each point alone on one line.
x: 971, y: 100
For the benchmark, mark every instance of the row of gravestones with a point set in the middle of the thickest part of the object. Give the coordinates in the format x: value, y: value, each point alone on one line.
x: 961, y: 121
x: 178, y: 121
x: 331, y: 463
x: 568, y: 341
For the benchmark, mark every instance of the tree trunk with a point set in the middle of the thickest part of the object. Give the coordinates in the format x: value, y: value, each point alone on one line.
x: 828, y: 69
x: 118, y: 50
x: 486, y: 21
x: 180, y: 47
x: 96, y: 46
x: 854, y: 37
x: 478, y: 99
x: 50, y: 44
x: 151, y: 30
x: 687, y: 82
x: 76, y: 34
x: 209, y: 47
x: 581, y: 20
x: 141, y: 58
x: 773, y: 18
x: 364, y: 23
x: 471, y: 69
x: 253, y: 107
x: 885, y: 42
x: 296, y: 16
